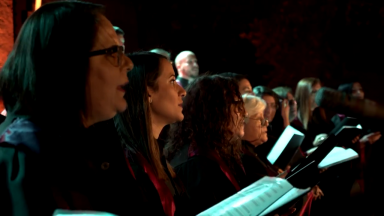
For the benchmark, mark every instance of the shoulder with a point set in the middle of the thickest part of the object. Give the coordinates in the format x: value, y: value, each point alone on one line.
x: 197, y: 165
x: 21, y: 133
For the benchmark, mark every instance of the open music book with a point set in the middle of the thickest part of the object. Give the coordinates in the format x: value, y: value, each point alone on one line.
x: 260, y: 198
x: 338, y: 155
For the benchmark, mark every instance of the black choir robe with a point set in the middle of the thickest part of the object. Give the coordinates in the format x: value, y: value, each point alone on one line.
x: 87, y: 171
x: 254, y: 166
x: 206, y: 184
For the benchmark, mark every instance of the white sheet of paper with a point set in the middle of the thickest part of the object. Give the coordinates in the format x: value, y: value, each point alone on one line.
x: 252, y: 200
x: 336, y: 156
x: 290, y: 195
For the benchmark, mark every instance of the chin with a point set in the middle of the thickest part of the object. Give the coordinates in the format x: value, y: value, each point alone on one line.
x: 179, y: 118
x: 122, y: 106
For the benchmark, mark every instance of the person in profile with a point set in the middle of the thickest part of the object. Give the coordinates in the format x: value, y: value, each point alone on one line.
x: 51, y: 156
x: 205, y: 148
x: 187, y: 67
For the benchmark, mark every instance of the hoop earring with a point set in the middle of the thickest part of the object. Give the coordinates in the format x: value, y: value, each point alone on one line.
x: 150, y: 100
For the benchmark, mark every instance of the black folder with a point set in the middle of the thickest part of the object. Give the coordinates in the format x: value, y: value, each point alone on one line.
x: 306, y: 174
x: 286, y: 147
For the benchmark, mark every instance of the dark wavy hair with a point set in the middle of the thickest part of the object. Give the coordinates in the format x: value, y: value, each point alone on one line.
x: 236, y: 76
x: 207, y: 117
x: 134, y: 125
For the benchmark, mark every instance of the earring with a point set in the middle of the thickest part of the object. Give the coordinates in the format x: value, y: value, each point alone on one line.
x: 150, y: 100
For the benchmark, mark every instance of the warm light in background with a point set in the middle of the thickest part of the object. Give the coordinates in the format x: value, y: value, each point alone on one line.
x: 37, y: 4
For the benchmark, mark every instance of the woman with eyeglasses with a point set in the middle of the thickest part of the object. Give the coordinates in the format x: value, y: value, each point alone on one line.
x: 277, y: 114
x: 157, y: 100
x: 255, y: 134
x: 205, y: 148
x: 62, y: 84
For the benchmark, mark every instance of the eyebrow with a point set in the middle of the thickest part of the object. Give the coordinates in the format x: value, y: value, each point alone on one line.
x: 172, y: 75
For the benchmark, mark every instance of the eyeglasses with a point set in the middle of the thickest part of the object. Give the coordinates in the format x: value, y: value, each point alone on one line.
x: 272, y: 106
x: 262, y: 121
x: 115, y: 54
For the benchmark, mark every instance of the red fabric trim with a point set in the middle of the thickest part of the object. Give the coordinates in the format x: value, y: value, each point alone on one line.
x: 165, y: 194
x: 307, y: 206
x: 129, y: 166
x: 224, y: 168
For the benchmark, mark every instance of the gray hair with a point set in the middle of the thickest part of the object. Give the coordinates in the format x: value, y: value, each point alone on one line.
x: 253, y: 105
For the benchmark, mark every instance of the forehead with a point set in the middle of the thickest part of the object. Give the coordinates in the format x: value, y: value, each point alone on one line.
x: 257, y: 115
x: 289, y: 96
x: 191, y: 58
x: 269, y: 99
x: 317, y: 86
x: 166, y: 69
x: 106, y: 35
x: 244, y: 83
x: 356, y: 85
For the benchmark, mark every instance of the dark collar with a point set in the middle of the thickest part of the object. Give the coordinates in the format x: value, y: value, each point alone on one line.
x: 183, y: 82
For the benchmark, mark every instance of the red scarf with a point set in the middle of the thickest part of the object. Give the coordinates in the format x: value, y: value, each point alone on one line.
x: 165, y: 194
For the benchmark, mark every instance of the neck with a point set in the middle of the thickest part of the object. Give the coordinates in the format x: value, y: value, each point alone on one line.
x: 255, y: 143
x: 88, y: 121
x: 157, y: 126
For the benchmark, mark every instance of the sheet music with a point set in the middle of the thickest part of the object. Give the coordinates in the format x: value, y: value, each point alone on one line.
x: 252, y: 200
x: 336, y: 156
x: 290, y: 195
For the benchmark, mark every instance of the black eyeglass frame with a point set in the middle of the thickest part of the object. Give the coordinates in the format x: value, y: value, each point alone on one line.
x: 110, y: 51
x: 262, y: 121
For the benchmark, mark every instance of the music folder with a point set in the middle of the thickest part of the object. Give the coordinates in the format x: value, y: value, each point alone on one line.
x: 305, y: 174
x: 267, y: 196
x: 286, y: 147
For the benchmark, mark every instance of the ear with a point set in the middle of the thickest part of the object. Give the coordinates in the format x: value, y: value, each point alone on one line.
x: 150, y: 92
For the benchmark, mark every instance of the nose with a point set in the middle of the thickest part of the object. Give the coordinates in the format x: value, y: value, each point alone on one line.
x: 182, y: 91
x: 127, y: 64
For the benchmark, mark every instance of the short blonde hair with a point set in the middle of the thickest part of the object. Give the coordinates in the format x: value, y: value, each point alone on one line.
x: 253, y: 105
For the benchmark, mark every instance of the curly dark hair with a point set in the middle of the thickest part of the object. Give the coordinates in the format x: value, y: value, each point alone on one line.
x: 207, y: 118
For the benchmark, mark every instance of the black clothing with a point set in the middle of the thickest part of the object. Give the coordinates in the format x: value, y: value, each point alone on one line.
x: 205, y: 182
x: 40, y: 173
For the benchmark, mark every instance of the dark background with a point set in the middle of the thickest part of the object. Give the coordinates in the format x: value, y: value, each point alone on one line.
x: 274, y: 42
